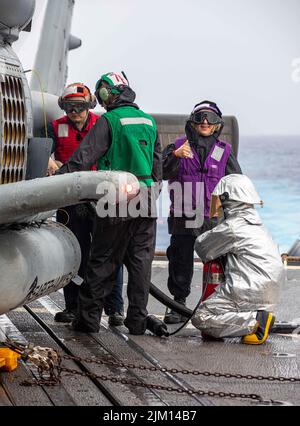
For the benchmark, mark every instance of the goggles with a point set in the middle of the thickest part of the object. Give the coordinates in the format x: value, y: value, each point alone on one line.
x: 211, y: 117
x: 75, y: 107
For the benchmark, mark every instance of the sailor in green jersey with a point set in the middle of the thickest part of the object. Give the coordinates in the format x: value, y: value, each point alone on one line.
x: 124, y: 138
x: 132, y: 143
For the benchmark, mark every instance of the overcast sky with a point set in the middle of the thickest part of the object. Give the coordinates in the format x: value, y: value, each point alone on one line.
x: 242, y: 54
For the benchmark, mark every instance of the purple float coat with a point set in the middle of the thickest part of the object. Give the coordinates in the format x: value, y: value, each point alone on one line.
x: 191, y: 170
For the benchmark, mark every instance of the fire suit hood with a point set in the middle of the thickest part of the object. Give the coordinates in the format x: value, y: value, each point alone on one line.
x: 239, y: 188
x: 246, y: 211
x: 252, y: 217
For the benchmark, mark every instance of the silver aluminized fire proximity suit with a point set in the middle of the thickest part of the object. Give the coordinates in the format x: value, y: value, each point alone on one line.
x: 254, y: 269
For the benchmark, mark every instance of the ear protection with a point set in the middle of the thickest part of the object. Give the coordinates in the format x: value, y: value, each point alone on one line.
x: 104, y: 93
x: 60, y: 101
x: 77, y: 89
x: 93, y: 99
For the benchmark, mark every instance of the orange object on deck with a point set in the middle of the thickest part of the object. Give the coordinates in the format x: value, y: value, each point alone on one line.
x: 8, y: 360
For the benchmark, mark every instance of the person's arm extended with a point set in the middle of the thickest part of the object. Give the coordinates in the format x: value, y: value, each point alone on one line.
x: 215, y: 243
x: 92, y: 148
x: 157, y: 162
x: 52, y: 167
x: 170, y: 162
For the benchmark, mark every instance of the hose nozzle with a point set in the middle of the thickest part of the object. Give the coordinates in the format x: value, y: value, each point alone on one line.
x: 156, y: 326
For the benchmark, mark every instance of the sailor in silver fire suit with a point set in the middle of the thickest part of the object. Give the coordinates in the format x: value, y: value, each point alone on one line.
x: 254, y: 269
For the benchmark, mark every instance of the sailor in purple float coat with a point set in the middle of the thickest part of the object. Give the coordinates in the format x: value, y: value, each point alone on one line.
x: 198, y: 156
x: 191, y: 170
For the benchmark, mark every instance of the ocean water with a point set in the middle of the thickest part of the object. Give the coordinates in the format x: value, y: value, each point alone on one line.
x: 273, y: 164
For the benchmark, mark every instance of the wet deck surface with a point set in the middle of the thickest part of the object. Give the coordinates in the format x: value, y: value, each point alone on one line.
x: 279, y: 356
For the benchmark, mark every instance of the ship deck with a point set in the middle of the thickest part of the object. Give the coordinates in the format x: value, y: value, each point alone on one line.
x: 184, y: 355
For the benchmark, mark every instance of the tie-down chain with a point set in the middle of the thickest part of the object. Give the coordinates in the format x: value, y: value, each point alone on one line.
x: 49, y: 365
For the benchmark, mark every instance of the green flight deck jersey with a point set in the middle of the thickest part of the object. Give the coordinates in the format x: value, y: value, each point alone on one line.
x: 133, y: 139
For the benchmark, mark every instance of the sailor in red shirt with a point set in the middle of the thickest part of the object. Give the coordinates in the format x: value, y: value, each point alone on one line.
x: 67, y: 133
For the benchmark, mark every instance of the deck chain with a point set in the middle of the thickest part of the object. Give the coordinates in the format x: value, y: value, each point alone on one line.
x: 55, y: 378
x: 164, y: 388
x: 178, y: 371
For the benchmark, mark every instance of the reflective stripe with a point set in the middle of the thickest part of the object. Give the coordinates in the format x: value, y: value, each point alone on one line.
x: 136, y: 120
x: 205, y: 106
x: 63, y: 130
x: 217, y: 153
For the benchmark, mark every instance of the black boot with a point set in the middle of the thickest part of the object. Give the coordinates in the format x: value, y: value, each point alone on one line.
x: 64, y: 316
x: 116, y: 319
x: 173, y: 317
x: 78, y: 325
x: 137, y: 329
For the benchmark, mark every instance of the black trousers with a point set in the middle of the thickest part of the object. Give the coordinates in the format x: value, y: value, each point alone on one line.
x: 80, y: 221
x: 181, y: 265
x: 132, y: 243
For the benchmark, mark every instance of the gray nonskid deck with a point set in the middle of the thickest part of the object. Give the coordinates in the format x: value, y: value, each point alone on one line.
x: 279, y: 356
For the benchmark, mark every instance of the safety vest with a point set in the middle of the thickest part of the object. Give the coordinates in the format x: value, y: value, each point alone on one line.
x: 68, y: 138
x: 190, y: 170
x: 133, y: 139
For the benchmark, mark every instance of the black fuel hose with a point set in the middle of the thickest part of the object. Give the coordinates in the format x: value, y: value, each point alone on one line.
x: 170, y: 303
x: 283, y: 327
x: 175, y: 306
x: 278, y: 327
